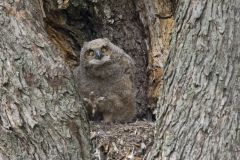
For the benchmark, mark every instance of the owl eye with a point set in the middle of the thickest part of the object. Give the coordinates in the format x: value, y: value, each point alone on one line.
x: 90, y: 53
x: 104, y: 49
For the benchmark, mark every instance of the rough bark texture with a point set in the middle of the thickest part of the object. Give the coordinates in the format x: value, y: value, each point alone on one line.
x: 198, y: 110
x: 40, y: 116
x: 157, y: 18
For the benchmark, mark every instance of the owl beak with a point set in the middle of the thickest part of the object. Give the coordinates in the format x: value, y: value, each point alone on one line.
x: 93, y: 111
x: 98, y: 54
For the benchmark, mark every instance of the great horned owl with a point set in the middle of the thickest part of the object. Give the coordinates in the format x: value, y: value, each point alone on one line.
x: 105, y: 78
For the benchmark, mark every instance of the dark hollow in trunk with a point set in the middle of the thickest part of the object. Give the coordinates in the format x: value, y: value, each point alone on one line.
x: 119, y: 22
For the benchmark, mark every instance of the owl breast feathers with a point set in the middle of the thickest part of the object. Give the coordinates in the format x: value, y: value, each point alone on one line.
x: 106, y: 71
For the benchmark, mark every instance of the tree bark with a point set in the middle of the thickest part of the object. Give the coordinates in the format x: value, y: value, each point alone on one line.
x: 157, y: 18
x: 198, y: 110
x: 40, y: 114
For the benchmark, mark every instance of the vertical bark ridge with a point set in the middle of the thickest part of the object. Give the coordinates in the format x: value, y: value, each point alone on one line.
x: 37, y: 95
x: 198, y: 112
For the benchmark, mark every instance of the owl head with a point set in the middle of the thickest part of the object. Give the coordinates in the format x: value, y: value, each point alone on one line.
x: 97, y: 55
x: 96, y: 52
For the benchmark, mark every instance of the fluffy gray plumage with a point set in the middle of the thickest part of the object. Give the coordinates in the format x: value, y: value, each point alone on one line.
x: 106, y: 72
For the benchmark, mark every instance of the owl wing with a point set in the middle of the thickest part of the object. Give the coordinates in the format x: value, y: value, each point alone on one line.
x: 128, y: 66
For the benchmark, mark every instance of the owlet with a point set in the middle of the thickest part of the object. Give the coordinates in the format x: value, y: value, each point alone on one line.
x: 105, y: 80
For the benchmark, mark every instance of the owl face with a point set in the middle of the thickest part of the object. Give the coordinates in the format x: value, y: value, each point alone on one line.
x: 96, y: 53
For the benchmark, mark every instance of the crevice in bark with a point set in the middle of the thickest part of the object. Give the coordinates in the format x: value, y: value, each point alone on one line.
x: 70, y: 24
x: 157, y: 18
x: 141, y: 28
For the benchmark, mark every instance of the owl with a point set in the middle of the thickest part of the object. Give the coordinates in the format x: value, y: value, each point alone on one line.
x: 105, y: 80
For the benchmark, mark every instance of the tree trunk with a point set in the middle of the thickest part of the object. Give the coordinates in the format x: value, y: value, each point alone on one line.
x: 40, y: 115
x: 198, y: 110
